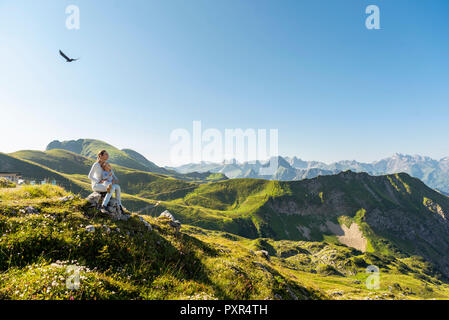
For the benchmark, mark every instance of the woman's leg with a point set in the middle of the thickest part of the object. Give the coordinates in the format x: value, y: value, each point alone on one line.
x: 108, y: 196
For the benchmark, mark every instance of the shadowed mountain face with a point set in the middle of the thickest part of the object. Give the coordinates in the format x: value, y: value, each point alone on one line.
x: 432, y: 172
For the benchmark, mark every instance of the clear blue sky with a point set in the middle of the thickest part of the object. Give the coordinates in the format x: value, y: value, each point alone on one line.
x: 310, y: 69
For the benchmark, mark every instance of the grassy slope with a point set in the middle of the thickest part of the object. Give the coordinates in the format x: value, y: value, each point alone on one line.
x: 123, y: 260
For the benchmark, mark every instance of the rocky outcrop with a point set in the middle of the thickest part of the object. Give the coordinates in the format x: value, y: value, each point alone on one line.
x: 112, y: 210
x: 167, y: 216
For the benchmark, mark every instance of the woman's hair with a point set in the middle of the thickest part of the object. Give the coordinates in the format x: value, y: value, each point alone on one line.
x: 100, y: 154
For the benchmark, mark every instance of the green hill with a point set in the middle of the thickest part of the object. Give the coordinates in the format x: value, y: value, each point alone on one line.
x: 90, y: 147
x: 126, y: 260
x: 126, y: 158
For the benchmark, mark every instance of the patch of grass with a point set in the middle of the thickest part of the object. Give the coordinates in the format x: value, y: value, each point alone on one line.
x: 32, y: 192
x: 5, y: 183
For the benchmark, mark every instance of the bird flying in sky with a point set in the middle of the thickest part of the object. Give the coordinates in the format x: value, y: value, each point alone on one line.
x: 67, y: 58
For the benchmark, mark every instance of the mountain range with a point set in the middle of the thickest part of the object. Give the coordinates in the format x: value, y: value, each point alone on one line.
x: 435, y: 173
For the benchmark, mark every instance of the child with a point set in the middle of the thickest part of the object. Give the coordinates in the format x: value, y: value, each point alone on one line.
x: 108, y: 176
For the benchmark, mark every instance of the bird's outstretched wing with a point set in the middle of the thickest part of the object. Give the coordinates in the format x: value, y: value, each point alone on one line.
x: 62, y: 54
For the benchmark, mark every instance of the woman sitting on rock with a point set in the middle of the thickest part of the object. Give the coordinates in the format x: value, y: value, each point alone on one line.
x: 98, y: 185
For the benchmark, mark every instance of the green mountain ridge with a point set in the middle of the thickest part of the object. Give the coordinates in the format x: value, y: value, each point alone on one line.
x: 90, y: 147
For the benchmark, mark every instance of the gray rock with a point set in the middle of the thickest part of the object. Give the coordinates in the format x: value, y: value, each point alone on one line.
x: 118, y: 216
x: 112, y: 210
x: 167, y: 214
x: 264, y: 253
x: 90, y: 228
x: 94, y: 198
x: 113, y: 203
x: 66, y: 198
x: 172, y: 222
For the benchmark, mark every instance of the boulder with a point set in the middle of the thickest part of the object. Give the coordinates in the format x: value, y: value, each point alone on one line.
x: 90, y: 228
x: 113, y: 209
x: 171, y: 220
x: 94, y: 198
x: 167, y: 214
